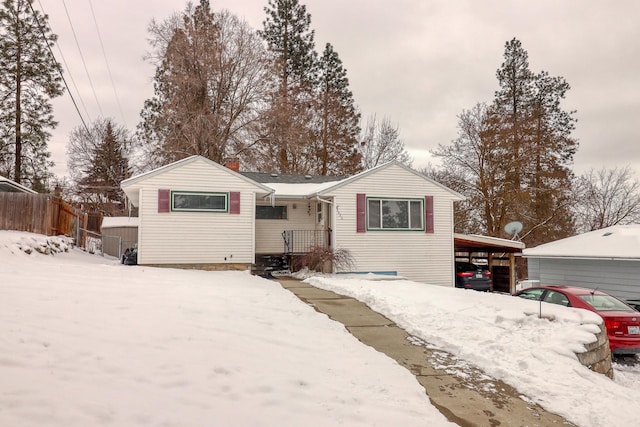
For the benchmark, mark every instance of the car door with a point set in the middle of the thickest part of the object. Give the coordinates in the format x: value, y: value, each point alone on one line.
x: 555, y: 297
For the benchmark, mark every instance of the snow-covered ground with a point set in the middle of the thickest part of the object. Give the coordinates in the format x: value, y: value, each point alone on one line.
x: 85, y: 341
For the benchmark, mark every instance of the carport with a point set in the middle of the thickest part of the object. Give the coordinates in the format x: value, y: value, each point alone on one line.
x: 499, y: 254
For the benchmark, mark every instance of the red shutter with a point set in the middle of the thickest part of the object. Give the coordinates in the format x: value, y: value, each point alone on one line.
x: 428, y: 208
x: 163, y: 201
x: 234, y: 202
x: 361, y: 212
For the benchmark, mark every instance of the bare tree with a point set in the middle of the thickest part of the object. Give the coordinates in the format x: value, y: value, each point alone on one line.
x: 470, y: 166
x: 210, y: 86
x: 606, y: 197
x: 381, y: 143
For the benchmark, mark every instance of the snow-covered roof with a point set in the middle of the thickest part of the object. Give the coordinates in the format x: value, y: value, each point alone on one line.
x: 284, y: 190
x: 119, y: 221
x: 310, y: 189
x: 616, y: 242
x: 7, y: 185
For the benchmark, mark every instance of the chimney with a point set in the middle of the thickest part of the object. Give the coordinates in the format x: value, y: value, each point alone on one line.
x: 232, y: 163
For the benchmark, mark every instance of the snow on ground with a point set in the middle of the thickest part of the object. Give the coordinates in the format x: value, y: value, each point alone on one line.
x: 85, y: 340
x: 505, y: 337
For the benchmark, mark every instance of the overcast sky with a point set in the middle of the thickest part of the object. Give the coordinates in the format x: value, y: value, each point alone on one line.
x: 418, y: 62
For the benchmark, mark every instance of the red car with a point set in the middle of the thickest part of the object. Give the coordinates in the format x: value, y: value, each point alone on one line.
x: 622, y: 321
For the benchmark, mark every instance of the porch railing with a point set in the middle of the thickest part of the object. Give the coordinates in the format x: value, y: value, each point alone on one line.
x: 302, y: 241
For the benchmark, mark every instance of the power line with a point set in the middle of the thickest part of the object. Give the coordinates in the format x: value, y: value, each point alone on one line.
x: 73, y: 31
x: 35, y: 15
x: 107, y: 62
x: 73, y: 82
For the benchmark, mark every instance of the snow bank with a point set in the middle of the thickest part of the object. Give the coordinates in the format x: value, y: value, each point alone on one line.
x: 506, y: 337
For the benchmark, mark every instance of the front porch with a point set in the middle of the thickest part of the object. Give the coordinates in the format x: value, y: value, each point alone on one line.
x: 296, y: 245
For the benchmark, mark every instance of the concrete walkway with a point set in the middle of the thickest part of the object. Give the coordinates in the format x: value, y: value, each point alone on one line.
x: 472, y: 399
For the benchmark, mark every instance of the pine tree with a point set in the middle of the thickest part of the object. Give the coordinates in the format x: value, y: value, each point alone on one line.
x: 29, y: 78
x: 98, y: 159
x: 512, y: 157
x: 552, y: 152
x: 533, y: 141
x: 339, y: 120
x: 287, y: 129
x: 511, y: 111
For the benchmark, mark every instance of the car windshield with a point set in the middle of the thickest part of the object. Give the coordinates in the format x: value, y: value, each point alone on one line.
x: 604, y: 303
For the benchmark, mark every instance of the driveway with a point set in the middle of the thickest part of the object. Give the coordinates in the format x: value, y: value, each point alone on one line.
x: 461, y: 392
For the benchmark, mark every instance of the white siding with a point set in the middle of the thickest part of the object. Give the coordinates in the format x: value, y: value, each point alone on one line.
x: 301, y: 215
x: 618, y: 278
x: 196, y: 237
x: 416, y: 255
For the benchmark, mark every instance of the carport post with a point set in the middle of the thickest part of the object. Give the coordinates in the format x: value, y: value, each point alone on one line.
x: 512, y: 273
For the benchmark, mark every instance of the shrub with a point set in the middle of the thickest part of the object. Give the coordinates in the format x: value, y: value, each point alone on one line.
x: 319, y: 257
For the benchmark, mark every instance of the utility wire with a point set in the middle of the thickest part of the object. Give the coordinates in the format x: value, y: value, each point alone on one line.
x: 82, y: 57
x: 35, y: 15
x: 73, y: 82
x: 107, y: 62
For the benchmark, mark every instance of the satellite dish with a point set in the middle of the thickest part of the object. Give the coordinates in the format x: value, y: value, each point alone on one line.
x: 513, y: 228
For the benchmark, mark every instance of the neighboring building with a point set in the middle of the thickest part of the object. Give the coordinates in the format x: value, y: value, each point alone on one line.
x: 606, y: 259
x: 119, y: 233
x: 9, y: 186
x: 198, y: 213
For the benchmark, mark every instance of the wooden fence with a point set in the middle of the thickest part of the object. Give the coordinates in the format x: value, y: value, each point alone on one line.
x: 38, y: 213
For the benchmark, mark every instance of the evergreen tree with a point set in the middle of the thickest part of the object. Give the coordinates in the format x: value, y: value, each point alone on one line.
x: 512, y: 158
x: 552, y: 151
x: 339, y: 120
x: 29, y: 77
x: 98, y: 159
x: 533, y: 141
x: 287, y: 129
x: 510, y: 114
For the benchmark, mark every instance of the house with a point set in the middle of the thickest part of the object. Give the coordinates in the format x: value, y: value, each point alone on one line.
x: 9, y: 186
x: 607, y: 259
x: 198, y: 213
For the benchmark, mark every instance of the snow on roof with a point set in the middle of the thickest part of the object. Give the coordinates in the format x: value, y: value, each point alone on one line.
x: 119, y: 221
x: 8, y: 185
x: 299, y: 190
x: 616, y: 242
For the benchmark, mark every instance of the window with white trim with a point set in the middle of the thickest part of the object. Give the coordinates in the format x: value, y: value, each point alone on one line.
x: 191, y: 201
x: 395, y: 214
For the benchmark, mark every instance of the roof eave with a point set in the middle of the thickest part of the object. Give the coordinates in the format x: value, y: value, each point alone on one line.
x: 456, y: 196
x: 584, y: 257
